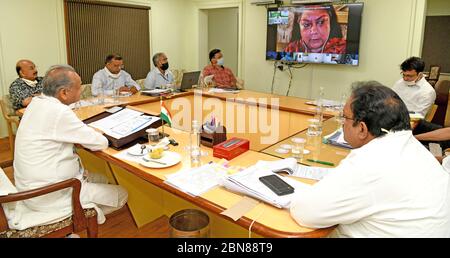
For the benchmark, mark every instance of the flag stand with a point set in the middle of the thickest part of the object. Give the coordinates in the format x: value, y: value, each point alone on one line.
x: 162, y: 134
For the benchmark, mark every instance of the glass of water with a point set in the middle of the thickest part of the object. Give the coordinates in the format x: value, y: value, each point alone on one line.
x: 298, y: 147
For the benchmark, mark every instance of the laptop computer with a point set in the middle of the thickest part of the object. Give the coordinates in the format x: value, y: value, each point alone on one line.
x: 189, y: 79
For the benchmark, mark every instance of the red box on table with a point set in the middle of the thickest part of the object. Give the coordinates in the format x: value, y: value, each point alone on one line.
x: 230, y: 149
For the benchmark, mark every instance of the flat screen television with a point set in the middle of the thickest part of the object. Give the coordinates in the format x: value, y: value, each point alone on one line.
x: 314, y: 33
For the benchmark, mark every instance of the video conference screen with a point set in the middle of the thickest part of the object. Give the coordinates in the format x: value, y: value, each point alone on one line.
x: 319, y: 33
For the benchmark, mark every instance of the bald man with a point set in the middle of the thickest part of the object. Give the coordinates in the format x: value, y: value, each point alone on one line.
x: 28, y: 85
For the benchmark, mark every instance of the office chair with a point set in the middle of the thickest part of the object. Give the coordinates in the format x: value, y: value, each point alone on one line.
x: 10, y: 118
x: 80, y: 220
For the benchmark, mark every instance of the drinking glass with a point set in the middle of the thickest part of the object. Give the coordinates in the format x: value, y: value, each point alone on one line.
x: 298, y: 148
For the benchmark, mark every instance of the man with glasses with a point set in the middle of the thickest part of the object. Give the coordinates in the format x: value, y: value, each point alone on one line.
x: 388, y: 186
x: 413, y: 89
x: 113, y: 78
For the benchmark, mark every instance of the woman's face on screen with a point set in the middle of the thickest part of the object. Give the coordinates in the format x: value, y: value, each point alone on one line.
x: 315, y: 29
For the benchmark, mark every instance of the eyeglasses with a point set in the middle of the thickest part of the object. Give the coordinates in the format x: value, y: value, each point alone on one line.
x: 409, y: 76
x: 346, y: 117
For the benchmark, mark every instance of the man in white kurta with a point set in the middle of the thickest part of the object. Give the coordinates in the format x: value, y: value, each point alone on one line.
x: 45, y: 153
x: 112, y: 78
x: 413, y: 88
x: 388, y: 186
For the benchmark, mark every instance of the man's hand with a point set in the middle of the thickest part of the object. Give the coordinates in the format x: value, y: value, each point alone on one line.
x: 124, y: 88
x: 134, y: 90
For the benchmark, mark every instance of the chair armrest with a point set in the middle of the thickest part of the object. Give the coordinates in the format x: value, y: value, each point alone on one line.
x: 79, y: 220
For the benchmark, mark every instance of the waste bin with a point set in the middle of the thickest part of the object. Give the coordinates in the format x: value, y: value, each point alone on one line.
x: 189, y: 223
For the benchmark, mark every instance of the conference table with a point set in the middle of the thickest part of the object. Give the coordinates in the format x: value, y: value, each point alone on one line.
x: 150, y: 197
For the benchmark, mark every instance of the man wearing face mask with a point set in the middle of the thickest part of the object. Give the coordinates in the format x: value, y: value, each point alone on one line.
x: 413, y: 89
x: 112, y: 78
x: 28, y: 85
x: 160, y: 76
x: 223, y: 76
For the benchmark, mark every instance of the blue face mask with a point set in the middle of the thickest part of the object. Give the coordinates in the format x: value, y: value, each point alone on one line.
x: 220, y: 61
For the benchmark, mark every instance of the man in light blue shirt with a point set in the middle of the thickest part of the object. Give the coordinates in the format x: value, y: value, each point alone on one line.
x: 160, y: 76
x: 112, y: 78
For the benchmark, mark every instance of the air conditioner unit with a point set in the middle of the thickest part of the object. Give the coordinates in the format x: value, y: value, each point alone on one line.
x: 264, y: 2
x: 310, y: 1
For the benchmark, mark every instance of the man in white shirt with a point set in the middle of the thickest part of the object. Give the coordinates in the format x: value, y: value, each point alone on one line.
x: 45, y: 152
x: 388, y: 186
x: 112, y: 78
x: 413, y: 88
x: 160, y: 76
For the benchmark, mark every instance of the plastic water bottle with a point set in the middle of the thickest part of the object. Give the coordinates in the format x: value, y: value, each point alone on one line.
x: 194, y: 144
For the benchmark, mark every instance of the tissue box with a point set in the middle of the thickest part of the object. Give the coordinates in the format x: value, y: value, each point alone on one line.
x: 230, y: 149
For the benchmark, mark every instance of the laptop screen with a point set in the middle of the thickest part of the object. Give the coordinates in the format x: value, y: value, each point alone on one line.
x: 189, y: 79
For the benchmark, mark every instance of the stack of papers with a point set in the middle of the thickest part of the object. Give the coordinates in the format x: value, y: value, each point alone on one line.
x: 124, y: 123
x: 291, y: 167
x: 223, y: 90
x: 247, y: 182
x: 325, y: 103
x: 196, y: 181
x: 337, y: 139
x: 156, y: 92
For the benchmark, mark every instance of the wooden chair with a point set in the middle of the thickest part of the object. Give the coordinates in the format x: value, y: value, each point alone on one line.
x: 442, y: 89
x: 431, y: 113
x: 80, y: 220
x: 433, y: 76
x: 86, y: 91
x: 11, y: 119
x: 240, y: 84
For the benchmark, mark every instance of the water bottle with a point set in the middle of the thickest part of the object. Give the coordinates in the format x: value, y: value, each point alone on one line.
x: 101, y: 95
x: 194, y: 144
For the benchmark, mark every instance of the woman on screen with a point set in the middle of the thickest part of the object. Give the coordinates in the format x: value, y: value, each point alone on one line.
x: 316, y: 30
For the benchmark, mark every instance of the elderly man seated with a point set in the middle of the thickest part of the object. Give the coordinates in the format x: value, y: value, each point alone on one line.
x: 45, y: 152
x: 113, y: 78
x: 28, y: 85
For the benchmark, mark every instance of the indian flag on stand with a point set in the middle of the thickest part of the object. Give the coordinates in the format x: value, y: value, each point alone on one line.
x: 165, y: 114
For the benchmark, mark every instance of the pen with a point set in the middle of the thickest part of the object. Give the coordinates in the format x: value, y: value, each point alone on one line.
x: 321, y: 162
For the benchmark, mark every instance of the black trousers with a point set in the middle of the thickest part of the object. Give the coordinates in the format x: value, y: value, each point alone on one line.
x: 425, y: 127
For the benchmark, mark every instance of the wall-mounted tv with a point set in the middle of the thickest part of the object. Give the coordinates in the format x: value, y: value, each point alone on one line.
x: 315, y: 33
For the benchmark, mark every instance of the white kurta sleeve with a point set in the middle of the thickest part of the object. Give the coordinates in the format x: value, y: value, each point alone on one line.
x: 97, y: 83
x: 426, y: 102
x: 149, y: 82
x: 129, y: 82
x: 69, y: 128
x: 340, y: 198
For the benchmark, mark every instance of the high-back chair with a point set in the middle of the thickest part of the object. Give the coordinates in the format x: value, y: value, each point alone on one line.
x: 80, y: 220
x: 442, y: 88
x: 11, y: 119
x: 429, y: 116
x: 86, y: 91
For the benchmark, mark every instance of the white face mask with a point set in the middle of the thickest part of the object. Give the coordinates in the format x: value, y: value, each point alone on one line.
x: 220, y: 61
x: 111, y: 75
x: 410, y: 83
x: 30, y: 83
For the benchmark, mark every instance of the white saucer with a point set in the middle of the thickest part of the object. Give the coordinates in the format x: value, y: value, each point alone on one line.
x: 136, y: 150
x: 170, y: 158
x: 298, y: 140
x: 286, y: 146
x: 305, y: 151
x: 282, y: 151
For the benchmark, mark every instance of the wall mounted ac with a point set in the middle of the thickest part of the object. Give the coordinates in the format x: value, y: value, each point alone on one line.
x: 264, y: 2
x: 310, y: 1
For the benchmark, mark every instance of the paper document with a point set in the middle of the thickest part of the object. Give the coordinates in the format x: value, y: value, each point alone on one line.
x: 337, y: 138
x: 82, y: 103
x: 124, y: 123
x: 247, y: 182
x: 291, y: 166
x: 219, y: 90
x: 325, y: 103
x: 196, y: 181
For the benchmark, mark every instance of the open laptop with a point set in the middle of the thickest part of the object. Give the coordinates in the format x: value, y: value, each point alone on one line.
x: 189, y: 79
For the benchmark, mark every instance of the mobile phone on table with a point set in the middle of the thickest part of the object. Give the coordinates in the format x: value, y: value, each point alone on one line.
x: 277, y: 185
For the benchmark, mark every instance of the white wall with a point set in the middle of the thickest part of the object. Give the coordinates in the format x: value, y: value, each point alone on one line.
x: 223, y: 34
x: 438, y: 7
